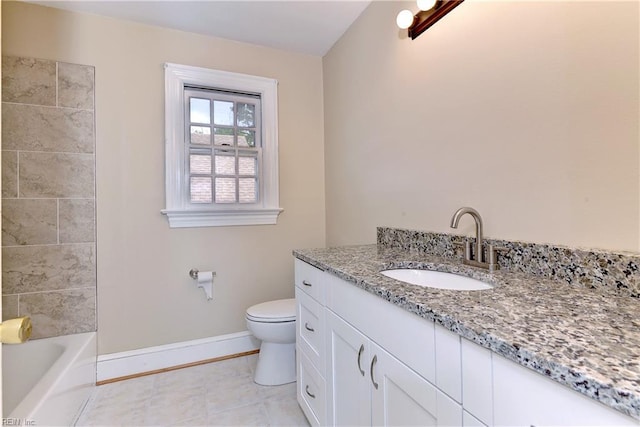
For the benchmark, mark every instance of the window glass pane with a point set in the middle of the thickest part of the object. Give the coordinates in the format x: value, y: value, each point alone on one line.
x: 200, y: 189
x: 225, y: 190
x: 200, y: 164
x: 225, y: 165
x: 246, y: 115
x: 246, y: 138
x: 247, y: 187
x: 247, y: 165
x: 223, y: 113
x: 200, y: 110
x: 201, y: 135
x: 223, y: 136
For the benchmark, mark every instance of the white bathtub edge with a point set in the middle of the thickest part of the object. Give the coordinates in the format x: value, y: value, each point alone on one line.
x: 64, y: 389
x: 116, y: 365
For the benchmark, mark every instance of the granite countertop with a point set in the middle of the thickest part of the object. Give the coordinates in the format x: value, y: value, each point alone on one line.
x: 579, y: 337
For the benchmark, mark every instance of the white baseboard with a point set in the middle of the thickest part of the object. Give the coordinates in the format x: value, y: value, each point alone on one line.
x: 116, y: 365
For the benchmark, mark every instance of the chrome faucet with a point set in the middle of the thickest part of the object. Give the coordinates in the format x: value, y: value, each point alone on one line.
x: 476, y: 258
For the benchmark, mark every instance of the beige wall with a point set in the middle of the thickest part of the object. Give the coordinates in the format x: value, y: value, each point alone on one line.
x: 145, y: 296
x: 527, y: 111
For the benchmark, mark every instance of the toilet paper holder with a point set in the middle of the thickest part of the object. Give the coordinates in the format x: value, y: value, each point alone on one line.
x: 206, y: 284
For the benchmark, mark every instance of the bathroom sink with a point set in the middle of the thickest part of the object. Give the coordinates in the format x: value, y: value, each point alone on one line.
x: 436, y: 279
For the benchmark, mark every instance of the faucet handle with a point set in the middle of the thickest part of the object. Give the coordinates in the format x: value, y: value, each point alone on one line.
x: 493, y: 252
x: 467, y: 248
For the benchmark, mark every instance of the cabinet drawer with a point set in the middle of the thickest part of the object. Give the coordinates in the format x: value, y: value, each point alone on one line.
x: 311, y: 391
x: 309, y: 279
x: 310, y: 334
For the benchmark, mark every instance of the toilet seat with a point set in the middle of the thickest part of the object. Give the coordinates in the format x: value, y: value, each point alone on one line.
x: 278, y: 311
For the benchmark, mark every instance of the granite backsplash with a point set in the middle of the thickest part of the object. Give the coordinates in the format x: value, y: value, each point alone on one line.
x: 605, y: 271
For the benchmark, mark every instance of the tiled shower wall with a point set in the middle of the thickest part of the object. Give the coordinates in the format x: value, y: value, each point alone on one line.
x: 48, y: 195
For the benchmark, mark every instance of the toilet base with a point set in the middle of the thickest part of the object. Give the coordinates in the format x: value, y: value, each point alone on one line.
x: 276, y: 364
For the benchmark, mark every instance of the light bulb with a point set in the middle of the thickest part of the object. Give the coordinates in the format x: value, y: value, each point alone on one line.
x: 426, y: 4
x: 404, y: 19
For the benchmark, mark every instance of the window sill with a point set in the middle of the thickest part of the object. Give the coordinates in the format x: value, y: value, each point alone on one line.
x: 207, y: 218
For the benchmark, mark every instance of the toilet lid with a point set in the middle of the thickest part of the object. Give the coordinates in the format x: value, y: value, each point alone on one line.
x: 282, y: 310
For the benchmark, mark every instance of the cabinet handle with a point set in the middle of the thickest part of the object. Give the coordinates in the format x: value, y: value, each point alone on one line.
x: 373, y: 362
x: 313, y: 396
x: 359, y: 356
x: 304, y: 282
x: 308, y: 328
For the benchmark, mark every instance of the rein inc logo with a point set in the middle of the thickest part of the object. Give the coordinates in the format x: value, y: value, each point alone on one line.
x: 18, y: 422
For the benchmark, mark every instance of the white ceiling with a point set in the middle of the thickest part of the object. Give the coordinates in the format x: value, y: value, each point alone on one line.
x: 303, y: 26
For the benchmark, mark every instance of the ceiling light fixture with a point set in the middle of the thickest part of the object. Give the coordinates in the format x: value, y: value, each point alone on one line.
x: 431, y: 11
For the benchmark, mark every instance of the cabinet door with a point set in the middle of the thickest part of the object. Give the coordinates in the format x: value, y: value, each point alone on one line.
x: 477, y: 382
x: 448, y: 363
x: 401, y: 397
x: 348, y: 394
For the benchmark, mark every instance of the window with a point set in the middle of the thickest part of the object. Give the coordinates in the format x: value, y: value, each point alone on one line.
x: 221, y: 148
x: 225, y: 146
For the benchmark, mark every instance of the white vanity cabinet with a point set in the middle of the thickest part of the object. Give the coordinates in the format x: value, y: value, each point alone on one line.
x: 363, y: 361
x: 381, y: 363
x: 369, y: 386
x: 376, y: 361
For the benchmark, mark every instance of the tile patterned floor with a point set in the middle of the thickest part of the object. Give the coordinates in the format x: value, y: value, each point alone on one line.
x: 216, y: 394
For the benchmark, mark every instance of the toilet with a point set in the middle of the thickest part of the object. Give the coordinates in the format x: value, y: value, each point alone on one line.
x: 274, y: 323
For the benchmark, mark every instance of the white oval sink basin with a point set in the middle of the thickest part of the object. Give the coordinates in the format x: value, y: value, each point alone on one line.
x: 436, y: 279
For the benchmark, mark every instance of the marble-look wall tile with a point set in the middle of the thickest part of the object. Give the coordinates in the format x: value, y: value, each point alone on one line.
x: 36, y: 128
x: 9, y: 174
x: 61, y: 312
x: 29, y: 222
x: 75, y: 86
x: 77, y: 220
x: 56, y: 175
x: 48, y: 190
x: 28, y: 80
x: 46, y: 268
x: 10, y: 307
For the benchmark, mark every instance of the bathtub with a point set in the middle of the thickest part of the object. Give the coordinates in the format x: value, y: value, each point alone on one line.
x: 48, y: 381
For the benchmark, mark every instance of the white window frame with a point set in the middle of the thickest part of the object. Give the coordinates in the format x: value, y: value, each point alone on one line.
x: 179, y: 211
